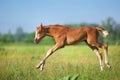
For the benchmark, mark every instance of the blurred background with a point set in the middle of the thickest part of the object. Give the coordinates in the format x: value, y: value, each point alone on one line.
x: 19, y: 18
x: 19, y: 55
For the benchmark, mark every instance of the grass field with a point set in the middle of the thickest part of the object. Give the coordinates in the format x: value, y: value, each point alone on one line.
x: 18, y: 62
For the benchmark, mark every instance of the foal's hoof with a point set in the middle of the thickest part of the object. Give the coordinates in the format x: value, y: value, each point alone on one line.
x: 37, y: 67
x: 109, y: 67
x: 41, y: 68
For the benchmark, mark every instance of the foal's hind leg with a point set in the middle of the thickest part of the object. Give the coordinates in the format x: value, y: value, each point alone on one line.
x: 105, y: 47
x: 98, y: 53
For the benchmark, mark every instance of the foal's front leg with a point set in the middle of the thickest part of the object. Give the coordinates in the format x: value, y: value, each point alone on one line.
x: 52, y: 50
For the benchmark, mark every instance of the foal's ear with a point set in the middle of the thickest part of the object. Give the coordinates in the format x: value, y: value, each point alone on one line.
x: 41, y: 25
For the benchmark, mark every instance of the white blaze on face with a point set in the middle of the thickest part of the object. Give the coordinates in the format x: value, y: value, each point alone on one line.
x: 36, y: 35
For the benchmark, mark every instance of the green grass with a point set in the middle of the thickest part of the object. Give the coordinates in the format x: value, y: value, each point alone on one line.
x: 18, y: 62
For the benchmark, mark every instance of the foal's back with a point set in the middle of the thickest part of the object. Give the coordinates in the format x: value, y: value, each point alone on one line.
x: 73, y: 35
x: 80, y: 34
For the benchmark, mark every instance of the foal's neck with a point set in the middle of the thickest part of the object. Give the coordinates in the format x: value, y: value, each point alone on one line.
x: 49, y: 31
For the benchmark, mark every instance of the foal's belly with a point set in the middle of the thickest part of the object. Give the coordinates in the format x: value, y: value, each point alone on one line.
x: 75, y: 39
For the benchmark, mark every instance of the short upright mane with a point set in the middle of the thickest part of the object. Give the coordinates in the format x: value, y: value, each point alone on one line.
x: 55, y: 25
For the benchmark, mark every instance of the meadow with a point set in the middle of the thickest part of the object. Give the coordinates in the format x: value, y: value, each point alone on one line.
x: 79, y: 62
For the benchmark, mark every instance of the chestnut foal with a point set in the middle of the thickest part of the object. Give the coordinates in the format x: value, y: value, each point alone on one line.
x: 65, y: 35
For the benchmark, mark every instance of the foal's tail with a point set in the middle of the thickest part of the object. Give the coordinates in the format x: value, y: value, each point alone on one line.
x: 105, y: 32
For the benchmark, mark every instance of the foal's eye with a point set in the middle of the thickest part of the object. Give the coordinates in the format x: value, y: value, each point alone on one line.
x: 39, y: 32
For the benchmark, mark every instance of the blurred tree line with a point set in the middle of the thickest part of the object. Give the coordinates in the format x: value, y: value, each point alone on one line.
x: 19, y: 36
x: 22, y: 37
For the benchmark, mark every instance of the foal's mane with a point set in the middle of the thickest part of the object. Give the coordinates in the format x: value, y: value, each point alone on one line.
x: 56, y: 25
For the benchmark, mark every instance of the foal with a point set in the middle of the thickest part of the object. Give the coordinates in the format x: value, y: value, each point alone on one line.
x: 65, y: 35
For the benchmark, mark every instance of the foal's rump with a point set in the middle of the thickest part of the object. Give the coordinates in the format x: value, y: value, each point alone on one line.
x: 88, y: 33
x: 93, y: 34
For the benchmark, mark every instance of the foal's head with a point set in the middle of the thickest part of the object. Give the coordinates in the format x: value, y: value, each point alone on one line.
x: 39, y: 34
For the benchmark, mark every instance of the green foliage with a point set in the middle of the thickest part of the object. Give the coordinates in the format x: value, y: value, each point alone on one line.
x: 29, y: 37
x: 113, y: 29
x: 70, y: 77
x: 19, y: 35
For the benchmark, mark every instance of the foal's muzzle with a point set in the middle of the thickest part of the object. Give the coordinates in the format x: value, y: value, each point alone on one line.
x: 36, y: 41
